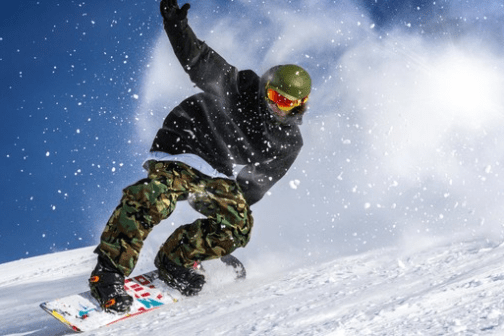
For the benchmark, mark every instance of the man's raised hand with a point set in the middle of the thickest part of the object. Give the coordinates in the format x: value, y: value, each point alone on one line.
x: 171, y: 11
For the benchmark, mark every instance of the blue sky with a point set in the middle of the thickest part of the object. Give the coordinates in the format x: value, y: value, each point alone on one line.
x: 69, y: 70
x: 85, y: 85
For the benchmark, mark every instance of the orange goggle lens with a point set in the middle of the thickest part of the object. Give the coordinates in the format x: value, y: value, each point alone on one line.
x: 284, y: 103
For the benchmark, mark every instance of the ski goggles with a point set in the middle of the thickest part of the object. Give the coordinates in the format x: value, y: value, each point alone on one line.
x: 284, y: 103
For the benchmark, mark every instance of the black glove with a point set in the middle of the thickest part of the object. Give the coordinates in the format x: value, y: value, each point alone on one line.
x: 171, y: 12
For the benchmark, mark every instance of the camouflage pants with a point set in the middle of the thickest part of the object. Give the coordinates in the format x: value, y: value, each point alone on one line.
x: 144, y: 204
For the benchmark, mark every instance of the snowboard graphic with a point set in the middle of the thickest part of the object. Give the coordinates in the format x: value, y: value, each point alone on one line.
x: 81, y: 312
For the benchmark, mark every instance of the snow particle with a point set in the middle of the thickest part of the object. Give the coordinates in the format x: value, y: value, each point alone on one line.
x: 294, y: 184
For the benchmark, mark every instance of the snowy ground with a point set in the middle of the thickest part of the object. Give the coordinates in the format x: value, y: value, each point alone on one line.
x: 448, y: 289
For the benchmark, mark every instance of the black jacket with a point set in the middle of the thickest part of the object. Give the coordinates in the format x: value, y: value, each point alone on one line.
x: 228, y: 123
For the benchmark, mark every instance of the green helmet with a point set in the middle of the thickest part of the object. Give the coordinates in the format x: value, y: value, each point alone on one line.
x: 291, y: 81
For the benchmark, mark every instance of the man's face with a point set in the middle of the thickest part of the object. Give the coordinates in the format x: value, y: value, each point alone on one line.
x: 277, y: 111
x: 284, y: 110
x: 286, y: 117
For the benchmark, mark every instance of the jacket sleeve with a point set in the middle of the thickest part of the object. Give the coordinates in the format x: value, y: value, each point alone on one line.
x: 207, y: 69
x: 256, y: 179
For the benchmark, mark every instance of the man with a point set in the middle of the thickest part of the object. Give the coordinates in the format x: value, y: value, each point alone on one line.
x: 240, y: 122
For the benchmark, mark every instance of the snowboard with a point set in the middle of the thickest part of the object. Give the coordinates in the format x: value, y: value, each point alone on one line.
x: 81, y: 312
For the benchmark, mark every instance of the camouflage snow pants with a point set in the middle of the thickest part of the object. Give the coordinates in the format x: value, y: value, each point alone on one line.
x: 144, y: 204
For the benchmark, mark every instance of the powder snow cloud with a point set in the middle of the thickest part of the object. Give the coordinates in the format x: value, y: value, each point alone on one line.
x: 402, y: 139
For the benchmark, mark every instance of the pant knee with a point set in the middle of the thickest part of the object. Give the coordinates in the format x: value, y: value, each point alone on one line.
x: 149, y: 200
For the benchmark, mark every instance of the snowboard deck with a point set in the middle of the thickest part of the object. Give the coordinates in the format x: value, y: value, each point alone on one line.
x: 81, y: 312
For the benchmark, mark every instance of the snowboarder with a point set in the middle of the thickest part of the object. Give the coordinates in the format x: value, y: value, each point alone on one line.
x: 220, y: 150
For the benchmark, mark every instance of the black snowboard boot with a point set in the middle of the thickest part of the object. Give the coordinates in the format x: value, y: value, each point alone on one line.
x: 186, y: 280
x: 107, y: 287
x: 230, y: 260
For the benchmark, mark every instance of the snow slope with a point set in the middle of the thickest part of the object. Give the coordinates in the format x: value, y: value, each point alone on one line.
x: 442, y: 289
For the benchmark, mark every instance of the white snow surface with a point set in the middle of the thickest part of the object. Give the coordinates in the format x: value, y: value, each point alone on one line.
x: 445, y: 288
